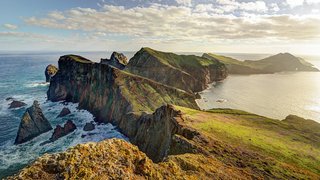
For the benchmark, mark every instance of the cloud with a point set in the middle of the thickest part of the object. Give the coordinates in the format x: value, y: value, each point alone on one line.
x: 295, y: 3
x: 274, y: 7
x: 10, y: 26
x: 186, y: 24
x: 231, y: 5
x: 184, y: 2
x: 29, y: 36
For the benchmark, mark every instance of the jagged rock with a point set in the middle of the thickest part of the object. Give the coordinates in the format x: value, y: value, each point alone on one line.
x: 117, y: 97
x: 16, y: 104
x: 33, y: 123
x: 198, y: 96
x: 117, y: 60
x: 50, y: 71
x: 9, y: 99
x: 65, y: 111
x: 89, y: 126
x: 59, y: 131
x: 109, y: 159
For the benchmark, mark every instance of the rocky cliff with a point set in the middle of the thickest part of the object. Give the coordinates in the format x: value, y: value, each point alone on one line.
x: 214, y: 144
x: 188, y: 72
x: 50, y: 71
x: 124, y: 99
x: 278, y: 63
x: 33, y: 123
x: 117, y: 60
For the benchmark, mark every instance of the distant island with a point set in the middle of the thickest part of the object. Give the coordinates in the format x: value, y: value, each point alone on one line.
x: 151, y: 99
x: 273, y: 64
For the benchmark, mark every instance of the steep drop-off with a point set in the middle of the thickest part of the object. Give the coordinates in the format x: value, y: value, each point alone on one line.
x: 277, y: 63
x: 124, y: 99
x: 215, y: 144
x: 188, y: 72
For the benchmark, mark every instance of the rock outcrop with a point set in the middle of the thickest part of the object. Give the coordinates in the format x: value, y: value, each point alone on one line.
x: 118, y: 159
x: 277, y: 63
x: 124, y: 99
x: 65, y: 111
x: 89, y: 126
x: 117, y: 60
x: 33, y: 123
x: 16, y: 104
x: 213, y: 144
x: 59, y: 131
x: 50, y: 71
x: 187, y: 72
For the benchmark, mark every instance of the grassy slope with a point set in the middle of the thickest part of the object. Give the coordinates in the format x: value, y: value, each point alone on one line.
x: 285, y: 150
x: 180, y: 61
x: 225, y: 59
x: 147, y: 95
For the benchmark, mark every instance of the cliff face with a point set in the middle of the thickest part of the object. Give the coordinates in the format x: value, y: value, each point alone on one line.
x: 123, y: 99
x: 50, y: 71
x: 188, y: 72
x: 117, y: 60
x: 214, y: 144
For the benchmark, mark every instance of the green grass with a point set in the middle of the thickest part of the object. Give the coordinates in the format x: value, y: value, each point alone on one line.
x: 224, y: 59
x: 180, y: 61
x: 79, y: 59
x: 287, y: 143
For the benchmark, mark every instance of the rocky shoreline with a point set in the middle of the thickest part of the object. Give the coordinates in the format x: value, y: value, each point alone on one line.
x: 152, y: 102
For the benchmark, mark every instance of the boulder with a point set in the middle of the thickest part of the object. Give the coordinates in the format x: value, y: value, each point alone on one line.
x: 16, y: 104
x: 59, y: 131
x: 117, y: 60
x: 64, y: 112
x: 9, y: 99
x: 50, y: 71
x: 89, y: 126
x: 33, y: 123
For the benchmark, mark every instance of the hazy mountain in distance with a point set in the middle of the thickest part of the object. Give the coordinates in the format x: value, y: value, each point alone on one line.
x: 277, y: 63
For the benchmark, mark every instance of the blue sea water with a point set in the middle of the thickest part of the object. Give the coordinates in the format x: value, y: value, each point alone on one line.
x: 272, y: 95
x: 22, y: 78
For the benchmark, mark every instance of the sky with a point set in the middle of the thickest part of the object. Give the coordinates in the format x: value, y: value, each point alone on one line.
x: 230, y: 26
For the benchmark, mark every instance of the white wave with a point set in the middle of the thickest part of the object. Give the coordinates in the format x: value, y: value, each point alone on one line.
x: 14, y: 155
x: 37, y: 84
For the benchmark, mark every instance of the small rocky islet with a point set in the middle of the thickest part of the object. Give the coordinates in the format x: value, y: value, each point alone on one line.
x: 151, y: 99
x: 33, y: 123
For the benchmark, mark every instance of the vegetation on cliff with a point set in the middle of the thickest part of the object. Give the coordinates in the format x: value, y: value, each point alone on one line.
x: 180, y: 141
x: 261, y: 146
x: 187, y: 72
x: 215, y: 144
x: 277, y: 63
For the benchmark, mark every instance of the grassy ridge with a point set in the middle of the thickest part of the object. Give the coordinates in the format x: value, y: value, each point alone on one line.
x: 180, y: 61
x: 285, y: 151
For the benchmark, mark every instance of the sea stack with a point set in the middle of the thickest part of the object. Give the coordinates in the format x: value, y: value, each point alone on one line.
x: 16, y: 104
x: 50, y: 71
x: 59, y: 131
x: 33, y: 123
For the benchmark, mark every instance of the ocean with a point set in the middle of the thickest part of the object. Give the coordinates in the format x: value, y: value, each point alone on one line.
x: 272, y: 95
x: 22, y: 78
